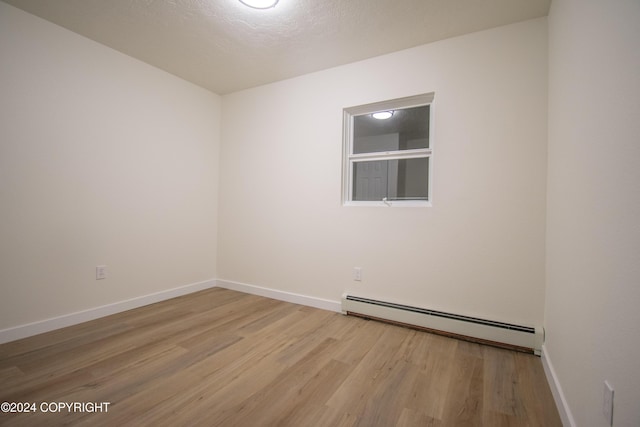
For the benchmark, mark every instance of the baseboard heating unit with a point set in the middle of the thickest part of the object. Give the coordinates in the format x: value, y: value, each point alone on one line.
x: 516, y: 337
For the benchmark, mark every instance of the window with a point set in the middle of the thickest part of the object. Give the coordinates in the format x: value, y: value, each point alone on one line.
x: 387, y: 153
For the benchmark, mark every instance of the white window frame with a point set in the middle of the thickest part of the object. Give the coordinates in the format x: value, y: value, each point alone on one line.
x: 349, y: 158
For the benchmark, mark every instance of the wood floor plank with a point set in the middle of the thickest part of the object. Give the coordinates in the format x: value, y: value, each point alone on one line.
x: 388, y: 398
x: 411, y: 418
x: 432, y: 354
x: 315, y: 392
x: 372, y: 370
x: 464, y: 401
x: 501, y: 383
x: 539, y: 406
x: 223, y: 358
x: 278, y: 398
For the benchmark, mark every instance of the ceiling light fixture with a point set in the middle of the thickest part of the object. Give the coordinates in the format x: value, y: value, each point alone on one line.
x: 259, y: 4
x: 382, y: 115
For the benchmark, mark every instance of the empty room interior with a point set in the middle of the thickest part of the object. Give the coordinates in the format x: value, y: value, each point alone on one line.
x: 443, y: 226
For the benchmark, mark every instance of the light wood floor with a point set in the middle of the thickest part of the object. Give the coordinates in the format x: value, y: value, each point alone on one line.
x: 223, y: 358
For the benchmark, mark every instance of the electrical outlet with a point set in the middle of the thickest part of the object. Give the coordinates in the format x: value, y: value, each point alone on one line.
x: 357, y: 274
x: 607, y: 407
x: 101, y: 272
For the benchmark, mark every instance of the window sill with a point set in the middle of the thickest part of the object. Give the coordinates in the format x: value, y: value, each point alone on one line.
x: 391, y: 204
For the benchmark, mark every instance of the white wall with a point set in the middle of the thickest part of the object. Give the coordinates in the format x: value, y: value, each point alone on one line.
x: 103, y: 160
x: 479, y: 250
x: 592, y: 310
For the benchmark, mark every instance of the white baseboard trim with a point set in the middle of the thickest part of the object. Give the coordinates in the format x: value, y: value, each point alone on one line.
x: 556, y: 390
x: 320, y: 303
x: 39, y: 327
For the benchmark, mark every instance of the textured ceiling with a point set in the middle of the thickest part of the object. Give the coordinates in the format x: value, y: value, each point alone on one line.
x: 225, y: 46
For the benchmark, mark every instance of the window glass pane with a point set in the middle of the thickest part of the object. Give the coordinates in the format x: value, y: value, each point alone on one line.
x: 405, y: 129
x: 404, y: 179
